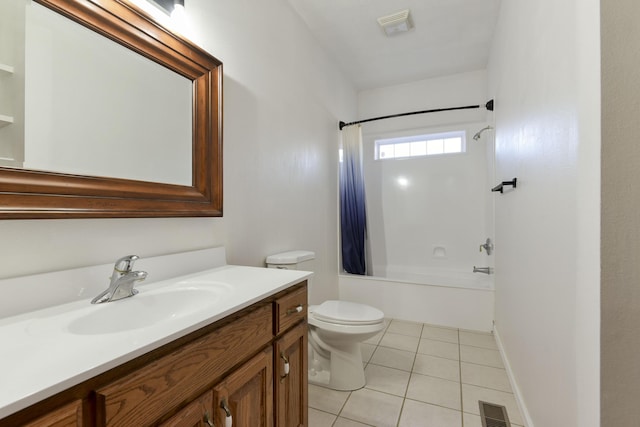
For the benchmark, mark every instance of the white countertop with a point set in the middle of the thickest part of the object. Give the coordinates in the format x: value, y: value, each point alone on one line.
x: 41, y: 355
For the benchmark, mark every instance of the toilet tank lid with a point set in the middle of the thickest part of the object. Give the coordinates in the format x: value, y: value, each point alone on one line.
x: 291, y: 257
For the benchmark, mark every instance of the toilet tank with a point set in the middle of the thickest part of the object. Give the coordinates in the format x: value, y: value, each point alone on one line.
x: 292, y: 260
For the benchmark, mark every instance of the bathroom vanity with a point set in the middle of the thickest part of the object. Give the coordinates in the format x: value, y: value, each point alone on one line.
x: 241, y: 361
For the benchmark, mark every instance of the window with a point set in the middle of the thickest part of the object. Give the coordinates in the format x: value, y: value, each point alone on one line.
x: 420, y: 145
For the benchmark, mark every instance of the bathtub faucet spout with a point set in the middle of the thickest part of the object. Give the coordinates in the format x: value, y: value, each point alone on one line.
x: 485, y: 270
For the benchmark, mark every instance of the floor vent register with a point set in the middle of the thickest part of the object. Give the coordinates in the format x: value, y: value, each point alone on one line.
x: 493, y: 415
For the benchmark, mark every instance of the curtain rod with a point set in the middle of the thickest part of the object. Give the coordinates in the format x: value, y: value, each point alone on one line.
x: 488, y: 106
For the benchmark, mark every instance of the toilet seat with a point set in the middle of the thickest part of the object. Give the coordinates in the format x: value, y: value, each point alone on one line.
x: 346, y: 330
x: 346, y: 313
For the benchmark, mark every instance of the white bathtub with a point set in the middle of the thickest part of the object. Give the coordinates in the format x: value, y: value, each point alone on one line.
x: 457, y: 299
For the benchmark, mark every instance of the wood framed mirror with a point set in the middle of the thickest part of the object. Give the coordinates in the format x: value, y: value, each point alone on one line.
x: 30, y: 194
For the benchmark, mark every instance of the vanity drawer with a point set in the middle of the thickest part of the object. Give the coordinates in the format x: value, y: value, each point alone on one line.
x: 289, y: 309
x: 143, y: 396
x: 67, y: 416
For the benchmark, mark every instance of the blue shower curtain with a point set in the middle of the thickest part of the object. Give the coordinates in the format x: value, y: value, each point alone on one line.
x: 352, y: 202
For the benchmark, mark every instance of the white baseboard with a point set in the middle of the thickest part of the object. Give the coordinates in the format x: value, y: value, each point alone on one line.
x: 514, y: 384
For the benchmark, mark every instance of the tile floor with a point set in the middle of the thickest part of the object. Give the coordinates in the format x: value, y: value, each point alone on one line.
x: 419, y: 376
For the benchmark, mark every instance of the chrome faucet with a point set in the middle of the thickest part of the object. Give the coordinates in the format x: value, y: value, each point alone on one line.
x: 485, y: 270
x: 123, y: 279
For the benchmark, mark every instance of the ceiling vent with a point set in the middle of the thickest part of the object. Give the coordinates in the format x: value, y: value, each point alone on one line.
x: 396, y: 23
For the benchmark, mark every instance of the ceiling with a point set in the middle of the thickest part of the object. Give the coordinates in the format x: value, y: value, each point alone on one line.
x: 449, y: 37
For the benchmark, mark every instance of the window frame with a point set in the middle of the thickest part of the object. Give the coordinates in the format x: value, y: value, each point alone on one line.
x: 462, y: 134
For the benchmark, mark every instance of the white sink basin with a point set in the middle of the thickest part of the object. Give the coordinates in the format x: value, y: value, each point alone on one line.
x: 147, y: 308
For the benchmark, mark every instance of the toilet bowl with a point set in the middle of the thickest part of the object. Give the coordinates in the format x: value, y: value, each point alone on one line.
x: 336, y: 329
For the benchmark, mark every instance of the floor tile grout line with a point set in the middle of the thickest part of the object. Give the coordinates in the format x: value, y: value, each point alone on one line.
x: 483, y: 348
x: 439, y: 357
x: 440, y: 341
x: 325, y: 412
x: 396, y: 348
x: 400, y: 333
x: 389, y: 394
x: 385, y: 366
x: 413, y: 365
x: 433, y: 376
x: 355, y: 421
x: 401, y: 409
x: 406, y: 390
x: 433, y: 404
x: 383, y: 392
x: 437, y: 340
x: 342, y: 407
x: 482, y: 364
x: 488, y: 388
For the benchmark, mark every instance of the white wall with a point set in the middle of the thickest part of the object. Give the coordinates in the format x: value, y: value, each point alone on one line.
x: 445, y: 203
x: 588, y: 222
x: 543, y: 75
x: 449, y: 91
x: 282, y: 101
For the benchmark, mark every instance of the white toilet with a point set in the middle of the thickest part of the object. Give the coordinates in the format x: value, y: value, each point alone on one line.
x: 336, y: 329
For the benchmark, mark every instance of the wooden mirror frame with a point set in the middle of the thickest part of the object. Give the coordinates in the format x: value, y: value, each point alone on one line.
x: 28, y: 194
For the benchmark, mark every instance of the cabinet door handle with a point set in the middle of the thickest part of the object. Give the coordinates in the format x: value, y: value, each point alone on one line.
x: 207, y: 419
x: 286, y: 366
x: 296, y: 309
x: 228, y: 421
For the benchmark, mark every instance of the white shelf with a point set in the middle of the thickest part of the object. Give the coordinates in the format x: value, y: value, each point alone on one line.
x: 5, y: 120
x: 6, y: 68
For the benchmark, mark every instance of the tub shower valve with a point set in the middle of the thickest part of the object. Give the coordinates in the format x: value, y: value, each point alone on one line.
x: 487, y: 246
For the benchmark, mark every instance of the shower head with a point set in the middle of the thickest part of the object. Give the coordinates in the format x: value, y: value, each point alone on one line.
x: 477, y: 135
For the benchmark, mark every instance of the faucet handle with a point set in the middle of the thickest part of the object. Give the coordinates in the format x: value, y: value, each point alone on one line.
x: 488, y: 246
x: 125, y: 264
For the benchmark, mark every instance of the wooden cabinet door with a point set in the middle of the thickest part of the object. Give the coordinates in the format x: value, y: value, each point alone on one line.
x: 247, y: 394
x: 197, y: 414
x: 291, y: 386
